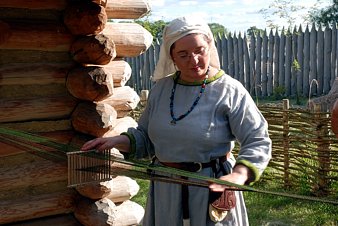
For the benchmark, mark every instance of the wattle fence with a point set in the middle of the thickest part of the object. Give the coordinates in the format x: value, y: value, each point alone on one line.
x: 286, y: 63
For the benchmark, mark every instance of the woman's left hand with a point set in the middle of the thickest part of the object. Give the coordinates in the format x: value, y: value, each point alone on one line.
x: 240, y: 175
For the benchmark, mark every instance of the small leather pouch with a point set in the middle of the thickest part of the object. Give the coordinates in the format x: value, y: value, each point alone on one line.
x: 223, y: 200
x: 220, y: 204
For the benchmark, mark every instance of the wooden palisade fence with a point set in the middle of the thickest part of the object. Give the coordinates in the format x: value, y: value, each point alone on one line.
x: 63, y: 75
x: 285, y: 63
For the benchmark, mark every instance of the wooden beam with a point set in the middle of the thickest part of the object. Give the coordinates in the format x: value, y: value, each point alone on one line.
x: 9, y: 56
x: 27, y: 109
x: 38, y: 35
x: 37, y: 206
x: 130, y: 39
x: 123, y: 99
x: 121, y: 9
x: 122, y: 125
x: 33, y: 174
x: 90, y: 83
x: 34, y: 73
x: 59, y: 220
x: 127, y: 9
x: 85, y: 18
x: 119, y: 69
x: 35, y: 4
x: 93, y: 49
x: 93, y: 119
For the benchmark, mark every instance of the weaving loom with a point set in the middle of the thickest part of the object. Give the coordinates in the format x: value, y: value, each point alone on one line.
x: 80, y: 167
x: 93, y: 166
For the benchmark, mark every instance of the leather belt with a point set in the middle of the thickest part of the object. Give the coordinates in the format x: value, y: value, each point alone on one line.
x: 195, y: 166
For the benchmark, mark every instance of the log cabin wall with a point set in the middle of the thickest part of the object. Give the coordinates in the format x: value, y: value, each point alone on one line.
x: 62, y: 75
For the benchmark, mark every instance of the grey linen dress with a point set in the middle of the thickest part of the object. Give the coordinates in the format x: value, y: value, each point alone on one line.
x: 225, y: 113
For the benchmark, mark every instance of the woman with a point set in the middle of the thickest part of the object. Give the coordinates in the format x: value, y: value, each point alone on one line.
x: 194, y: 114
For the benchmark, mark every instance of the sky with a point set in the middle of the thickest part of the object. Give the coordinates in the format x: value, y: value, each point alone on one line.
x: 235, y: 15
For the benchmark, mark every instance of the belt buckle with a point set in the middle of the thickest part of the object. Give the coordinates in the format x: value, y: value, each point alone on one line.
x: 199, y: 167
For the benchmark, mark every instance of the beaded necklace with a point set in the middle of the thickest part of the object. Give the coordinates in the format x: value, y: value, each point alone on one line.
x: 174, y: 119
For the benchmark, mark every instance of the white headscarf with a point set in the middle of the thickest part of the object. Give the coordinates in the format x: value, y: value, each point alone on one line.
x: 176, y: 29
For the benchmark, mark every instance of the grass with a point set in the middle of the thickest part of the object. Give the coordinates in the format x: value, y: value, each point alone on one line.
x: 277, y: 211
x: 270, y: 210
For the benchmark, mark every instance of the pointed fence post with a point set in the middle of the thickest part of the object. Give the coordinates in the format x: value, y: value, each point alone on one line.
x: 286, y: 106
x: 323, y: 151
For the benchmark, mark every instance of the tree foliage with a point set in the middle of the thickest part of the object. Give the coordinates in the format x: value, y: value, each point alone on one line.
x: 156, y: 28
x: 327, y: 15
x: 218, y: 29
x: 285, y: 10
x: 254, y: 31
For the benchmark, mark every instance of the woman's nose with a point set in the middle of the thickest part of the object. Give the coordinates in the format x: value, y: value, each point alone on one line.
x: 193, y: 58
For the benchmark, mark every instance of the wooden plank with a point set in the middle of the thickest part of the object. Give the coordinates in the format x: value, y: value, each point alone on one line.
x: 258, y: 79
x: 276, y: 61
x: 59, y: 220
x: 121, y: 9
x: 231, y: 56
x: 270, y: 65
x: 34, y: 73
x: 246, y: 64
x: 17, y: 177
x: 334, y: 54
x: 235, y: 58
x: 306, y: 73
x: 240, y: 59
x: 294, y: 64
x: 31, y: 14
x: 264, y: 77
x: 281, y: 59
x: 9, y: 56
x: 252, y: 54
x: 313, y: 60
x: 326, y: 79
x: 25, y: 109
x: 44, y: 36
x: 320, y: 61
x: 300, y: 60
x: 36, y: 4
x: 36, y: 206
x: 224, y: 62
x: 288, y: 63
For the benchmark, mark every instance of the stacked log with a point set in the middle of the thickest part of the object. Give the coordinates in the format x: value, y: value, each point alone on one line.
x: 62, y: 73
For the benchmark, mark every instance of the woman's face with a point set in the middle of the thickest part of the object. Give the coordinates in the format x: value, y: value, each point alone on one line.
x: 192, y: 56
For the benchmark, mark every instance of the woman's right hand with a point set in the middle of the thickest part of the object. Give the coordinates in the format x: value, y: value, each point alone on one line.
x: 106, y: 143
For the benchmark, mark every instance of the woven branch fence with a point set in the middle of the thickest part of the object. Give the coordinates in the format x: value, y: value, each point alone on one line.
x: 305, y: 150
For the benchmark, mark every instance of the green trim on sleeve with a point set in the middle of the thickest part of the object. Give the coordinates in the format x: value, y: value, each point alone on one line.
x: 255, y: 173
x: 132, y: 150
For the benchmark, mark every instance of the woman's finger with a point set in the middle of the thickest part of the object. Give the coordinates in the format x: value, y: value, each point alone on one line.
x: 90, y: 145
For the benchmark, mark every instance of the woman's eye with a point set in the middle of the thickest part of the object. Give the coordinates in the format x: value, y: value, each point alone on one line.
x: 183, y: 56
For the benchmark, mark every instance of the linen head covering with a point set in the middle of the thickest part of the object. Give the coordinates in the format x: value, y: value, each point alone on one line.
x: 176, y: 29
